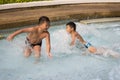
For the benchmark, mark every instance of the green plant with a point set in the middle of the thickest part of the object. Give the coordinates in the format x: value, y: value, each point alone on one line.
x: 17, y: 1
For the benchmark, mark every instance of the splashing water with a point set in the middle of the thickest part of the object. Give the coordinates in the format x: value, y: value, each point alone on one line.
x: 67, y: 63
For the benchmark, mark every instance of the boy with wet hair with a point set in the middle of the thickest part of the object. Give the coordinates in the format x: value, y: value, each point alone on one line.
x: 35, y: 36
x: 71, y: 29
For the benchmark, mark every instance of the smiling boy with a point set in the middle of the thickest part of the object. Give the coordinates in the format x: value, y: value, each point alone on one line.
x: 35, y: 36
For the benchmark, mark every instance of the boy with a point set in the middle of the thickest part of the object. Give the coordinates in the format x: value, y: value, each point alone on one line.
x: 35, y: 36
x: 71, y: 29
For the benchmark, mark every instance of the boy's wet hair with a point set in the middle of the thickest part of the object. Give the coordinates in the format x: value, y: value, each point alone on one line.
x: 43, y: 19
x: 72, y: 25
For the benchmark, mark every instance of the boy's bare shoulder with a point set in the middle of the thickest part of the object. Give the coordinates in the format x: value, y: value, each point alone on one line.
x: 33, y: 28
x: 76, y: 33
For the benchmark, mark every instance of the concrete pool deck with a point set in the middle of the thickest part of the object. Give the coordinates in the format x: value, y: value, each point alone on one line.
x: 56, y: 10
x: 101, y: 20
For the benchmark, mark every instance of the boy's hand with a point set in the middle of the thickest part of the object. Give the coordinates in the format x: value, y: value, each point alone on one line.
x: 9, y: 38
x: 72, y: 43
x: 49, y: 55
x: 92, y: 49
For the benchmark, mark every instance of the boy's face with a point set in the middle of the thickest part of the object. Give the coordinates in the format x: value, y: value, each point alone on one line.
x: 69, y: 29
x: 45, y: 25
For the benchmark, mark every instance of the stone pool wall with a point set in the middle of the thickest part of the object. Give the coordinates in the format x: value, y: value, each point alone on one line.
x: 18, y: 17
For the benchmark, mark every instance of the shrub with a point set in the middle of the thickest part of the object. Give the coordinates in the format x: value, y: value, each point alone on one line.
x: 17, y: 1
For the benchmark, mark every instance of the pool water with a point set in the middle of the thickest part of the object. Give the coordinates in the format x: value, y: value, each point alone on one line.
x: 67, y: 63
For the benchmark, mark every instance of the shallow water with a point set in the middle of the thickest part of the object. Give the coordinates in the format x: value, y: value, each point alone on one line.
x: 67, y: 63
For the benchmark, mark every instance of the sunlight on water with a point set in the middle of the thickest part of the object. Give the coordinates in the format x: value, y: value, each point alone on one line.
x: 67, y: 63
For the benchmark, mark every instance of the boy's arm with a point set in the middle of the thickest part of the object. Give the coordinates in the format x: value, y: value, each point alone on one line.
x: 10, y: 37
x: 73, y: 40
x: 48, y: 44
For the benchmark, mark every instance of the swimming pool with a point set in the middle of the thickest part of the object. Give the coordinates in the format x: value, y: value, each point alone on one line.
x: 67, y: 63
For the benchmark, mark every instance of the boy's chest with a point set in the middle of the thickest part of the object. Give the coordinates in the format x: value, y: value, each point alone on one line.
x: 34, y: 36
